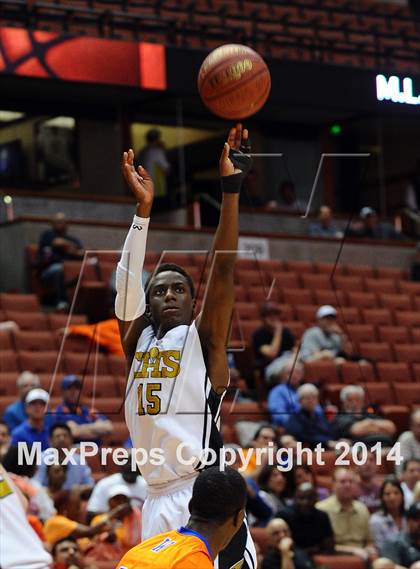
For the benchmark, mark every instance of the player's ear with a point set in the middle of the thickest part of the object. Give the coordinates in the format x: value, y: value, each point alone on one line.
x: 238, y: 518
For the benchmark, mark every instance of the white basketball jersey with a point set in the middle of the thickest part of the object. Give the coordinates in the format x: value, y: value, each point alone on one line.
x: 170, y: 401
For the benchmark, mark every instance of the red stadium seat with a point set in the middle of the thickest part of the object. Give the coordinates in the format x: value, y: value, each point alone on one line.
x: 390, y: 273
x: 233, y: 412
x: 287, y: 312
x: 377, y: 316
x: 177, y: 257
x: 332, y: 297
x: 396, y: 301
x: 44, y: 362
x: 117, y: 365
x: 416, y: 372
x: 394, y: 371
x: 286, y: 279
x: 81, y: 364
x: 329, y: 268
x: 408, y: 318
x: 348, y: 315
x: 73, y: 343
x: 248, y: 310
x: 300, y: 266
x: 271, y: 266
x: 355, y: 372
x: 378, y: 393
x: 248, y: 265
x: 348, y: 284
x: 316, y: 281
x: 259, y: 294
x: 415, y: 335
x: 35, y: 341
x: 410, y: 287
x: 407, y: 393
x: 366, y: 271
x: 119, y: 435
x: 297, y: 296
x: 59, y: 321
x: 73, y: 270
x: 19, y: 302
x: 393, y: 334
x: 409, y: 353
x: 363, y: 299
x: 376, y: 351
x: 252, y: 278
x: 9, y: 361
x: 246, y: 328
x: 378, y: 286
x: 29, y: 321
x: 6, y: 340
x: 306, y: 313
x: 321, y: 372
x: 398, y: 414
x: 8, y: 382
x: 361, y: 333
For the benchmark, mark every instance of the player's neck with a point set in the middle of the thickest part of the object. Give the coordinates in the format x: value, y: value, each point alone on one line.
x: 215, y: 537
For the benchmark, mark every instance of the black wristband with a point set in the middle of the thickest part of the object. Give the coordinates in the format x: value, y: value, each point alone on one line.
x: 232, y: 184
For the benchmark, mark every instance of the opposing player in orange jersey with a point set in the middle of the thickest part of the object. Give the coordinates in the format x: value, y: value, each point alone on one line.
x: 217, y: 509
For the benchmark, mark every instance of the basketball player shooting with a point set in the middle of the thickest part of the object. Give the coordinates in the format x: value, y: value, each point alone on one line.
x: 178, y: 366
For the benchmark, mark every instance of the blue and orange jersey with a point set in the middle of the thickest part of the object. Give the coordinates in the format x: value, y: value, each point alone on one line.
x: 178, y: 549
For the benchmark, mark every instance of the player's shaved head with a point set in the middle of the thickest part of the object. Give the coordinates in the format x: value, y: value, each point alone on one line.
x: 218, y: 495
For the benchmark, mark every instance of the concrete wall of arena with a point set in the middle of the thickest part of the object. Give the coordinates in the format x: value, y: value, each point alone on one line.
x: 14, y: 237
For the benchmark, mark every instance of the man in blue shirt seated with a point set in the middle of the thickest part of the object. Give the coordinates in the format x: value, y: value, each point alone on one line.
x: 282, y: 399
x: 15, y: 413
x: 309, y: 424
x: 76, y: 474
x: 35, y: 428
x: 84, y: 422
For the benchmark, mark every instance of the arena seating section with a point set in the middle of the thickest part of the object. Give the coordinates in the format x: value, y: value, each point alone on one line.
x: 379, y: 308
x: 357, y: 33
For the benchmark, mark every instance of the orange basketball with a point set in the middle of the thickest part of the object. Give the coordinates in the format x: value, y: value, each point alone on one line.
x: 234, y: 81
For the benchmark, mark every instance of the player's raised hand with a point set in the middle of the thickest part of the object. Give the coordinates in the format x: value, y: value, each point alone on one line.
x: 238, y: 142
x: 139, y: 181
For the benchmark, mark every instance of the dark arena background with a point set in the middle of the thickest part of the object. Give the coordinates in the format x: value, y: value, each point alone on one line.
x: 324, y: 340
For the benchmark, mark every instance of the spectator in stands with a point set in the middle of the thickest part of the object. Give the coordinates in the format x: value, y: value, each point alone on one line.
x: 288, y: 200
x: 85, y: 424
x: 369, y: 227
x: 125, y: 532
x: 283, y: 399
x: 22, y: 472
x: 129, y: 476
x: 404, y: 548
x: 309, y: 424
x: 4, y: 439
x: 357, y: 424
x: 272, y: 483
x: 271, y: 340
x: 15, y: 413
x: 349, y: 517
x: 35, y: 428
x: 311, y: 528
x: 67, y: 555
x: 77, y: 474
x: 304, y: 473
x: 369, y: 484
x: 282, y: 553
x: 264, y: 437
x: 410, y: 440
x: 63, y: 525
x: 55, y: 247
x: 410, y: 476
x: 391, y: 518
x: 383, y: 563
x: 325, y: 226
x: 153, y: 158
x: 326, y: 341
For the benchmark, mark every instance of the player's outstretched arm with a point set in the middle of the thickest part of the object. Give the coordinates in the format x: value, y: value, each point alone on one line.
x: 130, y: 301
x: 214, y: 322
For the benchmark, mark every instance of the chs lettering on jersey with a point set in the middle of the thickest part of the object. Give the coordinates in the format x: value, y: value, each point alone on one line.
x: 170, y: 403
